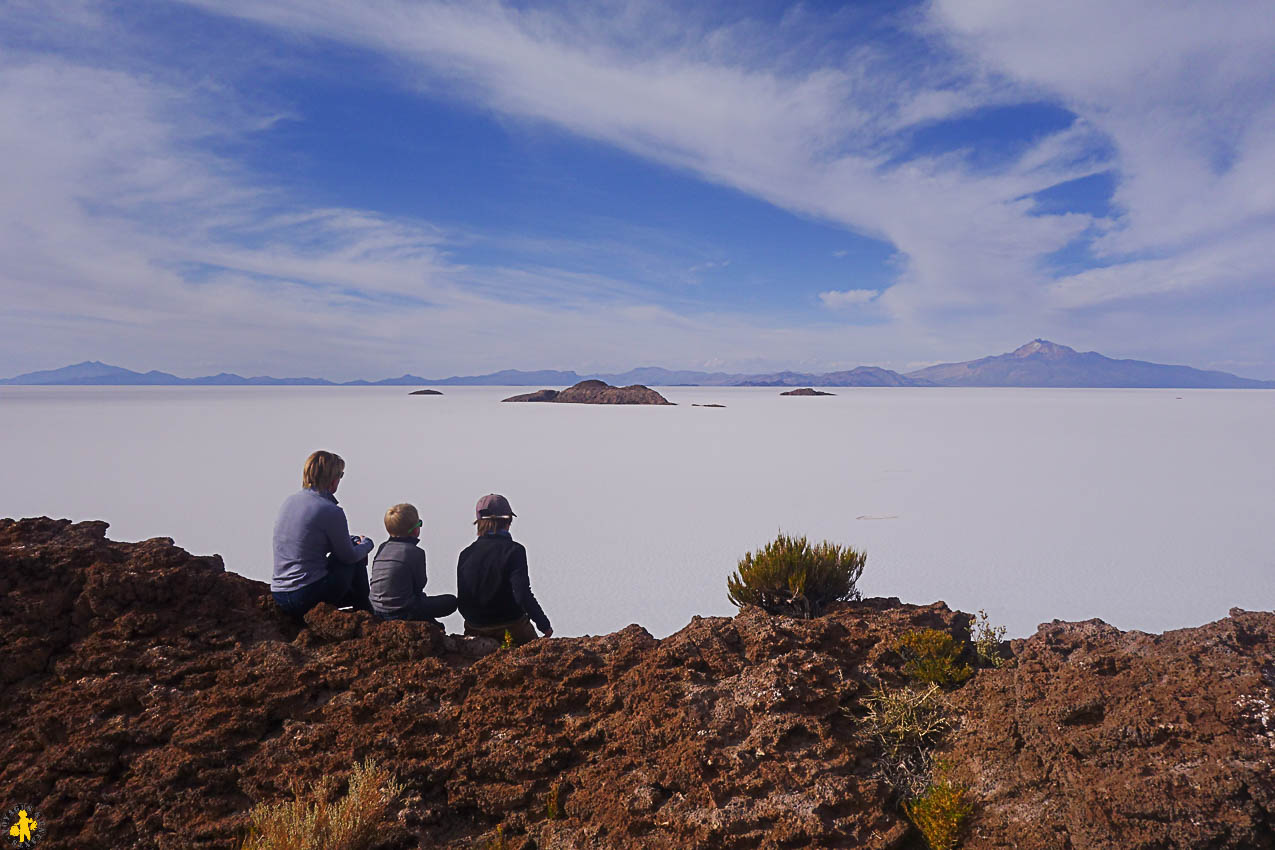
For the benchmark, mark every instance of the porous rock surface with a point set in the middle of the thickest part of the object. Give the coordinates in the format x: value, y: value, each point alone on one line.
x: 595, y: 392
x: 150, y: 698
x: 1102, y: 738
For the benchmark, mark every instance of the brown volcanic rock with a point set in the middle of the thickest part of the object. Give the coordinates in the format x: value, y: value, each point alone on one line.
x: 596, y: 392
x: 151, y: 698
x: 1102, y: 738
x: 538, y: 395
x: 806, y: 391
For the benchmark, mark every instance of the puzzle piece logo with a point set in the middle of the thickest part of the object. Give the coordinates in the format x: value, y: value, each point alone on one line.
x: 26, y: 826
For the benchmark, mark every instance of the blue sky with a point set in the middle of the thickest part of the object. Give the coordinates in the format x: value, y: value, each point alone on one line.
x: 358, y: 190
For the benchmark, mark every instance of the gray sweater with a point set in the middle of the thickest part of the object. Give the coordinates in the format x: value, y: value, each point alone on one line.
x: 397, y: 577
x: 311, y: 525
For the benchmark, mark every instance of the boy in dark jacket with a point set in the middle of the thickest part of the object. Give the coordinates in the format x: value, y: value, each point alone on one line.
x: 398, y: 577
x: 492, y: 585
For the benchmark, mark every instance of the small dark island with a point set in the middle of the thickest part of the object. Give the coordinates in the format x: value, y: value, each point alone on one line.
x: 806, y: 391
x: 424, y: 392
x: 708, y: 405
x: 595, y: 392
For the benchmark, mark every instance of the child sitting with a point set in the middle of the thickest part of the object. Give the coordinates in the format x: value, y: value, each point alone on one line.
x: 491, y: 579
x: 398, y: 578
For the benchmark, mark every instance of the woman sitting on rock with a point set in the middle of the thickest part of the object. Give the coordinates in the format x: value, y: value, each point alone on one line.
x: 316, y: 559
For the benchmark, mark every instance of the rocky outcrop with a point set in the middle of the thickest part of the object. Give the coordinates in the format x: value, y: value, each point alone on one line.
x: 150, y: 699
x: 538, y: 395
x: 806, y: 391
x: 425, y: 392
x: 1125, y: 739
x: 596, y: 392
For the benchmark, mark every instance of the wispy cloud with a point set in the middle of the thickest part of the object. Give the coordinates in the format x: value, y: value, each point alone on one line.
x: 812, y: 139
x: 848, y: 297
x: 1185, y: 92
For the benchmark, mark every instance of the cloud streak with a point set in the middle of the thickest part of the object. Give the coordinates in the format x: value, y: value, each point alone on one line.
x: 847, y: 298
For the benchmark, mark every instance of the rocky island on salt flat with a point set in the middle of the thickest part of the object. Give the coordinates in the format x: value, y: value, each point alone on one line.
x: 425, y: 392
x: 806, y: 391
x: 595, y: 392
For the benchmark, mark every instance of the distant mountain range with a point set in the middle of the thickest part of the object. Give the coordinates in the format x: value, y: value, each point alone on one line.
x: 1039, y: 363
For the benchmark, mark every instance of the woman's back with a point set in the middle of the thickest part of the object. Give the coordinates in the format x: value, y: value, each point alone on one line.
x: 302, y: 534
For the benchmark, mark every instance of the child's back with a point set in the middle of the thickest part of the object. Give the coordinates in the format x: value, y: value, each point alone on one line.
x: 397, y: 578
x: 492, y: 584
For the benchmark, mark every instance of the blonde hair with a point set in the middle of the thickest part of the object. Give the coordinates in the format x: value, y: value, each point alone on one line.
x: 321, y: 471
x: 492, y: 523
x: 401, y: 520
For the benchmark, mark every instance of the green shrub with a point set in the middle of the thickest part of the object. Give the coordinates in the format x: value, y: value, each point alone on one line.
x: 987, y: 641
x: 941, y: 812
x: 554, y: 803
x: 789, y: 576
x: 326, y: 822
x: 933, y: 657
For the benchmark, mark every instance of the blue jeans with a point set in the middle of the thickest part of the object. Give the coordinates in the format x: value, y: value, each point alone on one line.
x: 344, y: 585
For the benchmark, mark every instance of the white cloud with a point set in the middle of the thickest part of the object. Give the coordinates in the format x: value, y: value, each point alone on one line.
x: 121, y: 239
x: 810, y: 139
x: 847, y: 298
x: 111, y: 198
x: 1185, y: 92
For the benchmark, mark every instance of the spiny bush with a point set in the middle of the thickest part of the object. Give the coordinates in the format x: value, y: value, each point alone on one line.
x: 906, y: 724
x: 987, y: 642
x: 941, y: 811
x: 326, y: 822
x: 789, y: 576
x: 933, y: 657
x: 906, y: 720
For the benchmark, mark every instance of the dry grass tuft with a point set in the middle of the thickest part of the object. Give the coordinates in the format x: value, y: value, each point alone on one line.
x: 324, y: 821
